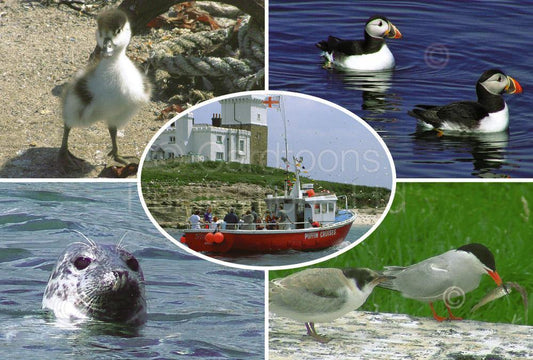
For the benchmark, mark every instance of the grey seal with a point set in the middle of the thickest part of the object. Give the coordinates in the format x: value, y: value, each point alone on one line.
x: 102, y: 282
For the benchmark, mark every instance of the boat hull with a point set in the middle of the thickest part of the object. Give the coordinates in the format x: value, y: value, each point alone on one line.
x: 269, y: 241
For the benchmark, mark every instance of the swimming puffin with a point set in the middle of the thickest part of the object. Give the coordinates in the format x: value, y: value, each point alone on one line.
x: 111, y: 89
x: 488, y: 114
x: 370, y: 54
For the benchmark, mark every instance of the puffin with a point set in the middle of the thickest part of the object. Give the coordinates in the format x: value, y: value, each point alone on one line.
x: 111, y: 89
x: 443, y: 277
x: 489, y: 114
x: 322, y: 294
x: 370, y: 54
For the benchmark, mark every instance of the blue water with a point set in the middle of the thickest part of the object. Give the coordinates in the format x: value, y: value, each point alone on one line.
x: 287, y: 258
x: 196, y: 309
x: 445, y: 48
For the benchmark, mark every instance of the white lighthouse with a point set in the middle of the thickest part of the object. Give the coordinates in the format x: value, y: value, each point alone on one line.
x: 248, y: 113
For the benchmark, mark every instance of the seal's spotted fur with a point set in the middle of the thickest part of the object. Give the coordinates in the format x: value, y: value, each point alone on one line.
x: 104, y: 282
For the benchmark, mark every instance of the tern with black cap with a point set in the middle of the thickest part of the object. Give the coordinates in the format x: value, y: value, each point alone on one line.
x: 320, y: 295
x: 442, y: 277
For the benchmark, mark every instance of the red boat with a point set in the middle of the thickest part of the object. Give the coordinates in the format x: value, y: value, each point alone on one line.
x: 308, y: 221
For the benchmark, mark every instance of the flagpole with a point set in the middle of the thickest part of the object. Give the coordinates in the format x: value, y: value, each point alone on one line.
x: 282, y: 107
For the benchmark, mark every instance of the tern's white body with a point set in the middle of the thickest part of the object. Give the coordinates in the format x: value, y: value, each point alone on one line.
x: 450, y: 274
x: 317, y: 295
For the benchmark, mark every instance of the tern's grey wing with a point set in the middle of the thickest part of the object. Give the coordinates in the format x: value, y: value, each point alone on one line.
x: 309, y: 291
x: 427, y: 280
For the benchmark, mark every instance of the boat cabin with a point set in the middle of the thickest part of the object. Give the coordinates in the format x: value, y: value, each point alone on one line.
x: 305, y: 208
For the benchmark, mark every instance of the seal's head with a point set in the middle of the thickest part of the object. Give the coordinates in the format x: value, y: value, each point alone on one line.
x: 103, y: 282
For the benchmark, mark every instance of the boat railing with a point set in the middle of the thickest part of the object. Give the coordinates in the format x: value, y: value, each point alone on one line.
x: 263, y: 225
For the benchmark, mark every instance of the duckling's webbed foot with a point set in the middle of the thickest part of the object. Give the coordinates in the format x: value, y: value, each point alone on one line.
x: 114, y: 150
x: 69, y: 162
x: 118, y: 158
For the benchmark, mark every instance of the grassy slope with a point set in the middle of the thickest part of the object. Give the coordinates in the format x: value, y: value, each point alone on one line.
x: 427, y: 219
x: 176, y: 173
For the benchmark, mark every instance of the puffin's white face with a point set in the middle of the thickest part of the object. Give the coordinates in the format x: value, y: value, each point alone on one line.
x: 113, y: 41
x: 377, y: 28
x: 499, y: 83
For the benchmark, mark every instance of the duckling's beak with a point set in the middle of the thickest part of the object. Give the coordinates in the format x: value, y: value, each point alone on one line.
x: 513, y: 86
x: 393, y: 32
x: 108, y: 48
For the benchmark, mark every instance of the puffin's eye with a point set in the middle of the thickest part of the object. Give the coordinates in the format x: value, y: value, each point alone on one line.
x: 82, y: 262
x: 133, y: 264
x: 380, y: 23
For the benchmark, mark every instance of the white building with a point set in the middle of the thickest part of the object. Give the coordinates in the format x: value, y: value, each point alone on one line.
x: 238, y: 134
x: 201, y: 142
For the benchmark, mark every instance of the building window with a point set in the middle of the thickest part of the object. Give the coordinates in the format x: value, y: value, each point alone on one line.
x: 219, y: 139
x: 219, y: 156
x: 241, y: 145
x: 172, y: 140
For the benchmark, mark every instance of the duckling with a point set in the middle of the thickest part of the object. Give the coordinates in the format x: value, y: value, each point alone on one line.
x: 111, y: 89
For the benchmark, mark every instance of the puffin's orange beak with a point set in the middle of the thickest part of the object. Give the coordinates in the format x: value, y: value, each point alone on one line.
x: 513, y: 86
x: 494, y: 275
x: 393, y: 32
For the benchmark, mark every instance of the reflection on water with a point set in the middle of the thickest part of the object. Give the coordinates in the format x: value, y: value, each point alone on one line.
x: 486, y: 151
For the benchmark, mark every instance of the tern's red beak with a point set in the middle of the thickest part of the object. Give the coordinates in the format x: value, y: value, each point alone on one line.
x: 494, y: 275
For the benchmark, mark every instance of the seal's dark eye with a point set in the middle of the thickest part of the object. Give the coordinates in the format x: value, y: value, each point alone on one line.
x: 82, y: 262
x: 133, y: 264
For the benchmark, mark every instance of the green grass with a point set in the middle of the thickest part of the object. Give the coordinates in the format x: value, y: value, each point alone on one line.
x: 174, y: 172
x: 427, y: 219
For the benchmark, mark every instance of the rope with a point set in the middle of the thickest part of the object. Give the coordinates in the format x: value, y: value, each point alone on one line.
x: 237, y: 69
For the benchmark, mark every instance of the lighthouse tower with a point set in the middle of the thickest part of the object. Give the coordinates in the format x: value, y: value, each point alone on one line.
x: 248, y: 113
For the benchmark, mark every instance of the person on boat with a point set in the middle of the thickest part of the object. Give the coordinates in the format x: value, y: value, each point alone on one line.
x: 216, y: 223
x: 231, y: 219
x: 259, y: 224
x: 208, y: 215
x: 195, y: 220
x: 248, y: 221
x: 270, y: 220
x: 284, y: 223
x: 254, y: 213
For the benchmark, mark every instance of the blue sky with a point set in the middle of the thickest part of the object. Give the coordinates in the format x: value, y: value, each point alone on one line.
x: 335, y: 146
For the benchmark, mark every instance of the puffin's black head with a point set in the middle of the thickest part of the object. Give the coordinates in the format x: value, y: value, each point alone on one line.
x: 378, y: 26
x: 496, y: 82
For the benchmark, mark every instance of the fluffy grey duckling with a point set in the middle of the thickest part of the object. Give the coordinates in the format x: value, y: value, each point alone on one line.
x: 111, y: 89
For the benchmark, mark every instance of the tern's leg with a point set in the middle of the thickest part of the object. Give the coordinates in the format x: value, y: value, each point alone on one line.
x: 452, y: 316
x: 312, y: 332
x: 437, y: 317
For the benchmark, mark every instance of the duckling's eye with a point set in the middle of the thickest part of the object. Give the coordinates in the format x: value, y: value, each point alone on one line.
x: 82, y: 262
x: 133, y: 264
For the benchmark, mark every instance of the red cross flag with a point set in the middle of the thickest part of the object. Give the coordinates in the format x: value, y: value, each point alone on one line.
x: 272, y: 101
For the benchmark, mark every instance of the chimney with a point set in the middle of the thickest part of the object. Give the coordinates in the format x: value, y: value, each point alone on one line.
x: 216, y: 120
